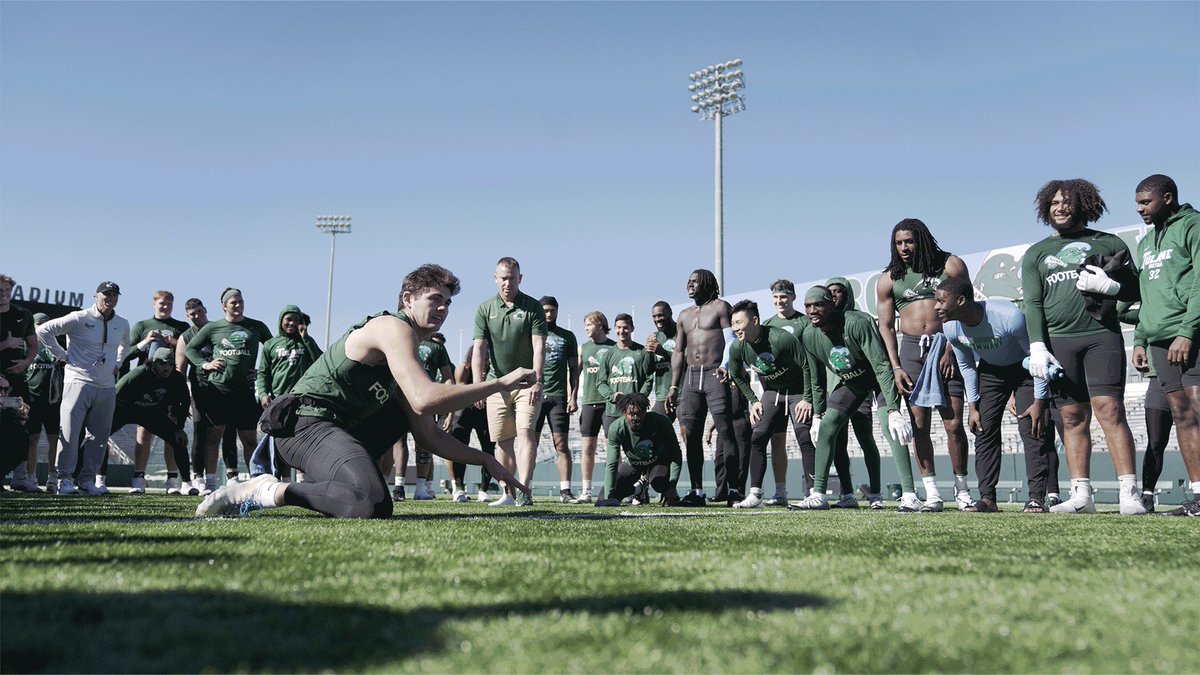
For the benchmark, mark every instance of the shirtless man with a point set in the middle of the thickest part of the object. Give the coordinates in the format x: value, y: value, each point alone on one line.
x: 698, y: 383
x: 908, y: 286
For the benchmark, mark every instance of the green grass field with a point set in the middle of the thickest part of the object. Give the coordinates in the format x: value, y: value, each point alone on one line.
x: 135, y: 584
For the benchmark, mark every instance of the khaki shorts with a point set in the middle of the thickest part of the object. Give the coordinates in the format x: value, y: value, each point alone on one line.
x: 510, y: 412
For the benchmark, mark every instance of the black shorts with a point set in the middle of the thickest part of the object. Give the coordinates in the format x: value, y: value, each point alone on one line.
x: 1156, y: 398
x: 702, y: 393
x: 43, y: 416
x: 237, y: 409
x: 154, y: 421
x: 1174, y: 378
x: 847, y: 400
x: 913, y: 362
x: 554, y: 409
x: 591, y: 418
x: 1093, y: 365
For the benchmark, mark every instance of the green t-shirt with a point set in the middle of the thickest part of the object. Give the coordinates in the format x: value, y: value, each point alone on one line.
x: 561, y: 351
x: 796, y: 325
x: 44, y: 377
x: 144, y: 390
x: 854, y: 351
x: 1049, y: 269
x: 1170, y: 288
x: 591, y: 353
x: 509, y: 332
x: 778, y: 359
x: 624, y: 371
x: 168, y: 327
x: 662, y: 365
x: 16, y: 322
x: 655, y: 441
x: 915, y: 286
x: 433, y: 357
x: 234, y: 343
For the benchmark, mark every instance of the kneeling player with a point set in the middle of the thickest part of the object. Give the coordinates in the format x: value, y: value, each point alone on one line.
x: 652, y: 454
x: 339, y: 418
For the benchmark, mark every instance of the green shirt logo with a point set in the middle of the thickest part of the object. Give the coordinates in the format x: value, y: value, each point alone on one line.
x: 840, y: 360
x: 764, y: 364
x: 642, y: 452
x: 1071, y: 254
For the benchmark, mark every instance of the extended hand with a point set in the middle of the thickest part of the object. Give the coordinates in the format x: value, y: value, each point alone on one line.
x: 1092, y: 279
x: 899, y: 427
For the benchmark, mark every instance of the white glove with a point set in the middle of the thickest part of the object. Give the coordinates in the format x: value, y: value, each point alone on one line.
x: 1092, y: 279
x: 899, y: 427
x: 814, y: 429
x: 1040, y: 359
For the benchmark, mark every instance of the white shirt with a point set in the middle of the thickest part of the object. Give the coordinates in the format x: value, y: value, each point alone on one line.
x: 95, y: 346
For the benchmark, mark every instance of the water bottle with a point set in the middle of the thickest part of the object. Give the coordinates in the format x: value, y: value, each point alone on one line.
x: 1054, y: 372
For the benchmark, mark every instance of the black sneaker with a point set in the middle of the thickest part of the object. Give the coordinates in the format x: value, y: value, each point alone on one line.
x: 1033, y: 506
x: 734, y: 497
x: 1191, y: 508
x: 693, y: 499
x: 398, y: 493
x: 1053, y: 500
x: 1148, y: 502
x: 719, y: 497
x: 566, y: 497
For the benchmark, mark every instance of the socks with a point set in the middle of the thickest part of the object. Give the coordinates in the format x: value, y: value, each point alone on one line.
x: 960, y: 484
x: 265, y: 495
x: 756, y: 491
x: 1128, y: 485
x: 587, y: 487
x: 564, y: 485
x: 1195, y: 489
x: 1081, y: 488
x: 421, y: 485
x: 399, y: 480
x: 931, y: 488
x: 908, y: 495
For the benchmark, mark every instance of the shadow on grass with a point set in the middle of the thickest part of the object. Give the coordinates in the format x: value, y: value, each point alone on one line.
x: 172, y: 631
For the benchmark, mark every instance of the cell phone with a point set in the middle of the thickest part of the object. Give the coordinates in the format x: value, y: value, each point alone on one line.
x: 13, y: 402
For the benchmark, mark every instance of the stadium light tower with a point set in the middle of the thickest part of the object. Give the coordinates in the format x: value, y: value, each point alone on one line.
x: 332, y: 225
x: 716, y: 92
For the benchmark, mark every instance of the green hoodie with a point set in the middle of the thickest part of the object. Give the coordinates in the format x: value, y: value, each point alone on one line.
x: 854, y: 351
x: 1166, y: 263
x: 284, y: 359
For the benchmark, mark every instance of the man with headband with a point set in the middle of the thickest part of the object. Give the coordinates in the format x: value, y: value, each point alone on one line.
x: 848, y: 343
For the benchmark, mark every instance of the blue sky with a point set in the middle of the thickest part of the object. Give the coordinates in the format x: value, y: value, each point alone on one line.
x: 190, y: 146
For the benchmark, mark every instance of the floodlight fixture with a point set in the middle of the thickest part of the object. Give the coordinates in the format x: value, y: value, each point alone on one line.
x: 333, y: 226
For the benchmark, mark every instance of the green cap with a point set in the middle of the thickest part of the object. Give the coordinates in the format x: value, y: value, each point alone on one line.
x: 818, y: 294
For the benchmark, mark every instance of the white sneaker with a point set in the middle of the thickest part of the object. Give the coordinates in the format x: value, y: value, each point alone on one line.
x: 174, y: 486
x: 197, y: 485
x: 1131, y: 504
x: 813, y: 502
x: 846, y: 502
x: 1080, y: 502
x: 234, y: 498
x: 483, y: 497
x: 963, y: 500
x: 210, y: 486
x: 505, y: 500
x: 780, y: 499
x: 461, y: 497
x: 934, y: 505
x: 641, y: 494
x: 910, y: 504
x: 752, y: 501
x: 584, y: 497
x: 93, y: 489
x: 137, y: 486
x: 101, y: 482
x: 66, y: 486
x: 875, y: 501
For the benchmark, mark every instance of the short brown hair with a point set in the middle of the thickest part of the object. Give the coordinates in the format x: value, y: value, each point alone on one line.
x: 425, y: 277
x: 597, y: 318
x: 164, y: 294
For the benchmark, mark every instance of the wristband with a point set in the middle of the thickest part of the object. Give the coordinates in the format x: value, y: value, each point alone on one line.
x: 897, y: 368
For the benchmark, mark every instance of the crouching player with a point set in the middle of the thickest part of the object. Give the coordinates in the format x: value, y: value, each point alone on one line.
x: 652, y: 454
x: 355, y: 401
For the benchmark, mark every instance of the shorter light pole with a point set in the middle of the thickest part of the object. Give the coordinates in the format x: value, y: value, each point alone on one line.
x: 332, y: 225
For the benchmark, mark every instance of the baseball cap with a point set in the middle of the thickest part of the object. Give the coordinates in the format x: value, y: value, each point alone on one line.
x: 162, y: 354
x: 107, y: 287
x: 41, y: 317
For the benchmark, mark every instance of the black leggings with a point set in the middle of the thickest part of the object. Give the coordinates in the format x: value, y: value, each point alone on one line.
x: 1158, y: 432
x: 341, y: 471
x: 473, y: 419
x: 659, y: 476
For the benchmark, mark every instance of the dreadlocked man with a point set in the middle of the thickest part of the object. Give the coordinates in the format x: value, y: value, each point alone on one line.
x: 908, y: 286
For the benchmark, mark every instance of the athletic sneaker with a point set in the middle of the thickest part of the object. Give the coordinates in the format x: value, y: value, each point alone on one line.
x: 66, y: 486
x: 814, y: 502
x: 752, y: 501
x: 398, y: 493
x: 524, y: 499
x: 210, y: 485
x: 424, y: 495
x: 1131, y: 503
x: 461, y: 497
x: 934, y: 505
x: 26, y: 484
x: 51, y: 486
x: 846, y: 502
x: 1053, y: 500
x: 93, y: 489
x: 197, y: 485
x: 910, y: 504
x: 482, y: 496
x: 101, y: 481
x: 504, y: 500
x: 191, y: 489
x: 584, y: 497
x: 1191, y: 508
x: 694, y: 499
x: 734, y: 497
x: 875, y: 501
x: 235, y: 498
x: 780, y: 499
x: 1148, y: 502
x: 1080, y: 502
x: 984, y: 505
x: 641, y: 493
x: 174, y: 486
x: 1033, y: 506
x: 565, y: 497
x: 137, y: 486
x: 963, y: 500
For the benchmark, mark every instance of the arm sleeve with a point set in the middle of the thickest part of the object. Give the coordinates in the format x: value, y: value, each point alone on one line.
x: 1031, y: 286
x: 737, y: 371
x: 539, y: 325
x: 610, y: 467
x: 312, y: 346
x: 869, y: 341
x: 647, y: 360
x: 181, y: 401
x: 819, y: 383
x: 966, y: 365
x: 1041, y: 388
x: 730, y: 338
x: 125, y: 381
x: 602, y: 387
x: 47, y: 332
x: 1189, y: 325
x: 201, y: 337
x: 262, y: 381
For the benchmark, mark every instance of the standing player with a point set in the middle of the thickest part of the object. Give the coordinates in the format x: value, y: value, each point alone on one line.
x: 284, y: 359
x: 990, y: 342
x: 624, y: 369
x: 1169, y: 320
x: 907, y: 287
x: 510, y: 328
x: 353, y: 403
x: 591, y: 401
x: 1089, y: 348
x: 848, y: 343
x: 661, y: 343
x: 472, y: 418
x: 154, y: 396
x: 783, y: 369
x: 560, y: 383
x: 1157, y: 415
x: 44, y: 384
x: 698, y: 374
x: 234, y: 341
x: 842, y: 292
x: 788, y: 318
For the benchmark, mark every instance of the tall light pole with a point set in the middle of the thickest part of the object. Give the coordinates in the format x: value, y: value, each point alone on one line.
x: 716, y: 92
x: 332, y: 225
